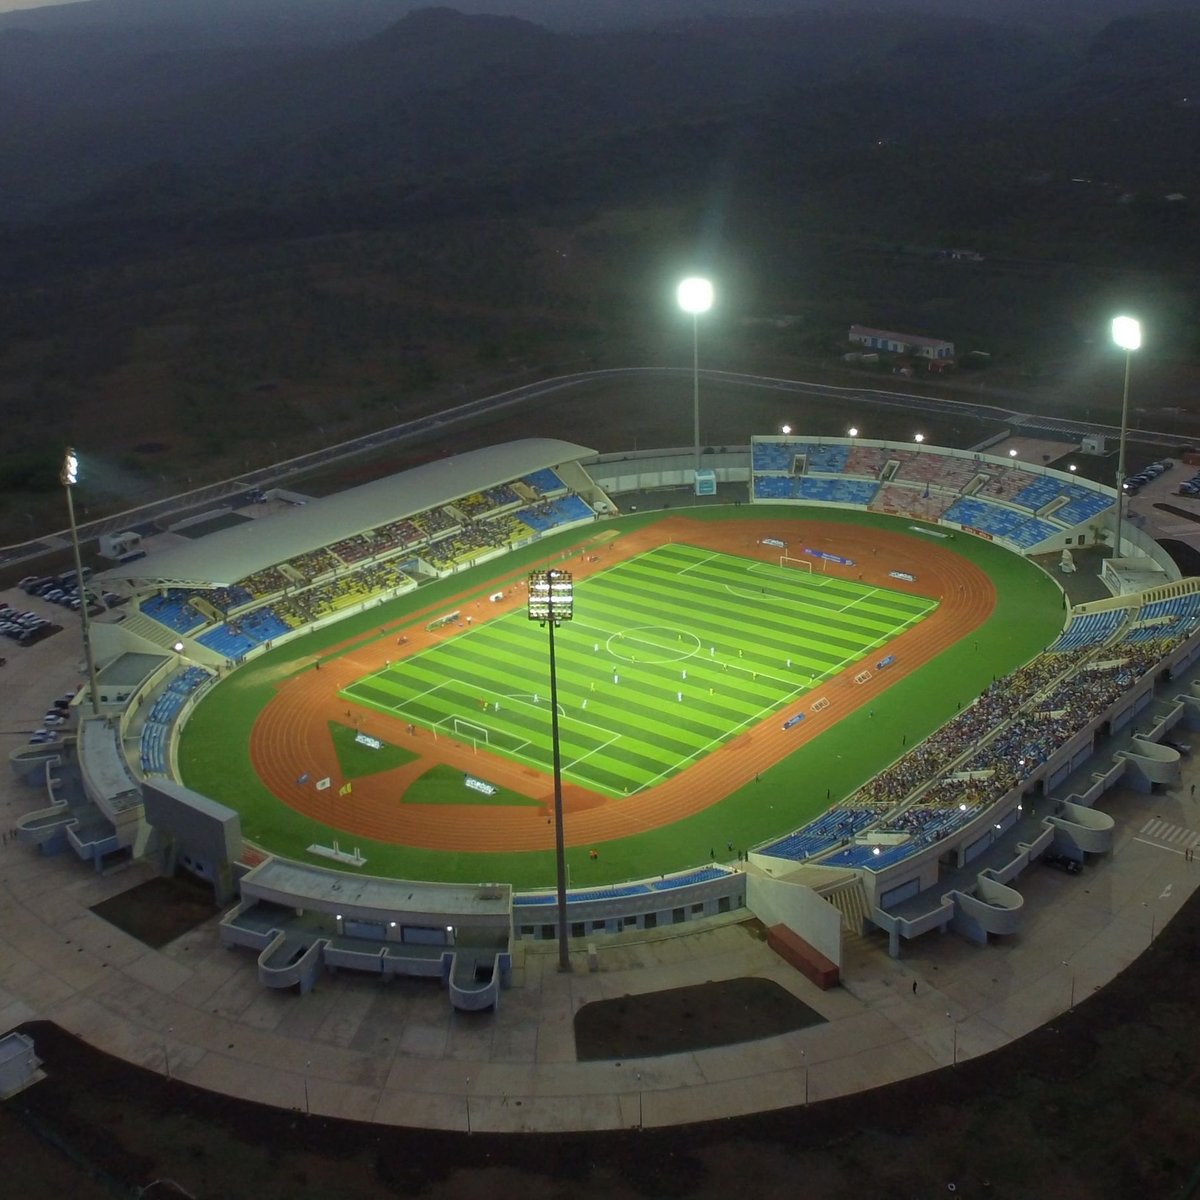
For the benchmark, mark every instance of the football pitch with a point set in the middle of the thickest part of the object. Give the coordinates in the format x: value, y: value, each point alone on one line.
x: 670, y: 655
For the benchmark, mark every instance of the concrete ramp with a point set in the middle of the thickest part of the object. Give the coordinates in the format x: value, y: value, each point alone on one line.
x: 995, y: 908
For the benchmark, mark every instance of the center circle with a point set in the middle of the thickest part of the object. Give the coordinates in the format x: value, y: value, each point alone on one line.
x: 652, y: 644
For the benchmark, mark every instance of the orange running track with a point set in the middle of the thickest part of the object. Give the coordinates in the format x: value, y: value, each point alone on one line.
x: 291, y: 735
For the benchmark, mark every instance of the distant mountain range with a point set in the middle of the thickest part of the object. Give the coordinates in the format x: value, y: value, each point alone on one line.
x: 230, y: 223
x: 233, y: 21
x: 133, y: 114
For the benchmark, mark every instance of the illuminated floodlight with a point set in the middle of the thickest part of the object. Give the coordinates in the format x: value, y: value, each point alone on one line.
x: 695, y: 295
x: 1072, y: 468
x: 551, y: 597
x: 785, y: 430
x: 68, y: 476
x: 1127, y: 333
x: 551, y: 602
x: 919, y: 438
x: 1012, y: 454
x: 852, y: 431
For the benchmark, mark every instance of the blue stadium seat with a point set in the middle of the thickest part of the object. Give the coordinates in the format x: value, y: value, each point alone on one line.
x: 545, y: 480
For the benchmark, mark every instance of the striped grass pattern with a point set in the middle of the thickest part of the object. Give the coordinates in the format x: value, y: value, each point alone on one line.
x: 670, y: 655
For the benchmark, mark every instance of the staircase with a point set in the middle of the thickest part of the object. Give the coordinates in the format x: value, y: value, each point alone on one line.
x: 150, y: 630
x: 850, y: 900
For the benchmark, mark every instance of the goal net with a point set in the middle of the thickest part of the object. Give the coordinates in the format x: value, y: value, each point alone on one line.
x: 795, y: 564
x: 472, y: 733
x: 469, y: 731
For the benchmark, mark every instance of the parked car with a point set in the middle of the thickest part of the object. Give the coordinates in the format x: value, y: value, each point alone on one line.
x: 1062, y: 863
x: 53, y: 719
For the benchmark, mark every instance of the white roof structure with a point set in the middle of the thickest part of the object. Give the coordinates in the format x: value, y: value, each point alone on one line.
x: 224, y: 557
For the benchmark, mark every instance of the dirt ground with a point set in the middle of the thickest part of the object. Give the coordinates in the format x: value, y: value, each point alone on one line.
x: 722, y: 1013
x: 1101, y: 1104
x: 160, y: 910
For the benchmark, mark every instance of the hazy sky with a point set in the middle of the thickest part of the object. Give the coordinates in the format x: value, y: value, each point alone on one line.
x: 12, y: 5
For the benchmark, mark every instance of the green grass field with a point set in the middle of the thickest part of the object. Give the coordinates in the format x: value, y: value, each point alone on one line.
x: 669, y: 655
x: 214, y: 757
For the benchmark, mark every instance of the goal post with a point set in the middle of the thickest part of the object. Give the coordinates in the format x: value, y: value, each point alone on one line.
x: 796, y: 564
x: 468, y: 730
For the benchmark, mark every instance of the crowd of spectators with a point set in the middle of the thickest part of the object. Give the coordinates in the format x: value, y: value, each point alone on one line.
x: 314, y: 564
x: 395, y: 535
x: 316, y: 603
x: 439, y: 534
x: 492, y: 500
x: 1015, y: 726
x: 1000, y: 702
x: 354, y: 549
x: 473, y: 539
x: 435, y: 521
x: 265, y: 583
x: 226, y: 599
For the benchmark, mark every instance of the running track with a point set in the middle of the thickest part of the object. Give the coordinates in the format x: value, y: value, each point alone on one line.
x: 290, y: 736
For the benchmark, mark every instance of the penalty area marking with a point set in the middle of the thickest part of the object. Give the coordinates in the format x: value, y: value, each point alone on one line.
x: 699, y: 562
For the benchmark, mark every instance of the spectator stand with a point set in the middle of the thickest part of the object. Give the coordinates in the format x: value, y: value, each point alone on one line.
x: 902, y: 500
x: 543, y: 483
x: 554, y: 515
x: 645, y: 904
x: 155, y: 739
x: 174, y: 609
x: 235, y: 639
x: 1089, y: 629
x: 995, y: 498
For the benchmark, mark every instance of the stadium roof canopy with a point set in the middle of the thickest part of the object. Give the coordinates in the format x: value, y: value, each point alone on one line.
x: 222, y: 558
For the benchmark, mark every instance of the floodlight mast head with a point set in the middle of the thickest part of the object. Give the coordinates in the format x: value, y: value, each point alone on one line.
x: 551, y: 597
x: 68, y: 476
x: 695, y: 295
x: 1127, y: 333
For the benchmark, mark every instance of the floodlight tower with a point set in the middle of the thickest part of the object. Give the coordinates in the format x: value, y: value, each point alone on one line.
x: 552, y: 601
x: 68, y: 476
x: 1127, y: 333
x: 695, y: 296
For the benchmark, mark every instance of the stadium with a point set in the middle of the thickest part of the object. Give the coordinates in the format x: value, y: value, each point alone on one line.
x: 851, y: 689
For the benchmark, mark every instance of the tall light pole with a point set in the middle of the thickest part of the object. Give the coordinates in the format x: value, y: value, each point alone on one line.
x: 68, y: 476
x: 552, y: 601
x: 1127, y: 333
x: 695, y: 296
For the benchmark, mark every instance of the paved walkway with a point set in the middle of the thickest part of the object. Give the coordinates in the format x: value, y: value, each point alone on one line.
x: 397, y: 1053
